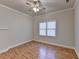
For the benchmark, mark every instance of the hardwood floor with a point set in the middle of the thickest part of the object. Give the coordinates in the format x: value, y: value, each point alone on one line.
x: 37, y: 50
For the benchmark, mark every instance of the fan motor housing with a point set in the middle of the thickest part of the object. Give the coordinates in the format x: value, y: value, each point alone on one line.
x: 67, y: 1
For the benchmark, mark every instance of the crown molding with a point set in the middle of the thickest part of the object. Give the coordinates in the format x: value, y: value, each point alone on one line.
x: 56, y: 12
x: 38, y: 15
x: 14, y: 10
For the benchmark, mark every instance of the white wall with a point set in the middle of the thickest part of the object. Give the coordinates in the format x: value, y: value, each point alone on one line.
x: 15, y: 27
x: 65, y: 26
x: 77, y: 27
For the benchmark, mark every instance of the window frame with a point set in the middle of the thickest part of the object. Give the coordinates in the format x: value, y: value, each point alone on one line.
x: 48, y: 29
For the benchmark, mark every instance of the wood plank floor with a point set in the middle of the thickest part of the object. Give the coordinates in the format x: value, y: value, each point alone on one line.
x: 36, y: 50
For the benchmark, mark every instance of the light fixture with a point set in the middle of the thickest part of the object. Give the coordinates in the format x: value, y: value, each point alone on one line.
x: 35, y: 6
x: 35, y: 9
x: 35, y: 0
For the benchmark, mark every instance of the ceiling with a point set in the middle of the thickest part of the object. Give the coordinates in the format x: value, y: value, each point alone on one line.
x: 50, y: 5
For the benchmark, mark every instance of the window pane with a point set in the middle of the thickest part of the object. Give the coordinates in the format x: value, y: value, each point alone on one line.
x: 51, y: 33
x: 43, y: 32
x: 42, y: 25
x: 51, y: 25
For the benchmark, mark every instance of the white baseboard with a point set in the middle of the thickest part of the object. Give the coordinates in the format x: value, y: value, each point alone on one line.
x: 5, y: 50
x: 38, y: 41
x: 70, y: 47
x: 77, y: 53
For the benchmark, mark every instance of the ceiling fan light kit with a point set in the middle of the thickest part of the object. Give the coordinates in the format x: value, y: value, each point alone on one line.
x: 36, y: 9
x: 35, y: 5
x: 35, y: 0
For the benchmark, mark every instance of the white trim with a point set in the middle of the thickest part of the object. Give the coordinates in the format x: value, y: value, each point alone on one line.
x: 56, y: 12
x: 14, y: 46
x: 14, y: 10
x: 37, y: 15
x: 70, y: 47
x: 77, y: 53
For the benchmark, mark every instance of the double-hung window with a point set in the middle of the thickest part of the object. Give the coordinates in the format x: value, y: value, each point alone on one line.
x: 47, y: 28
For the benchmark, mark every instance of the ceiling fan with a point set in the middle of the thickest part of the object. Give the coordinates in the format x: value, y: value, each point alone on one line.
x: 35, y: 5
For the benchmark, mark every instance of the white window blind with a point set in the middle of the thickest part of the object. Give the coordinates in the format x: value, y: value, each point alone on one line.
x: 47, y: 28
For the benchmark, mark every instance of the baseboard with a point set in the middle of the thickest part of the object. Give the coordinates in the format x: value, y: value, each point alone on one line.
x: 69, y: 47
x: 77, y: 53
x: 5, y: 50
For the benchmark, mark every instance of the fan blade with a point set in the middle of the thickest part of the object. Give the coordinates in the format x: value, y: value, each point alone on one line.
x: 42, y: 8
x: 29, y: 4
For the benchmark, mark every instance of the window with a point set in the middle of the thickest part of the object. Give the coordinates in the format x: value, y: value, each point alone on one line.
x: 42, y: 29
x: 47, y: 28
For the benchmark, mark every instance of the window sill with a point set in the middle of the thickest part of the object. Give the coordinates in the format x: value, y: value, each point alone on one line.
x: 54, y: 37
